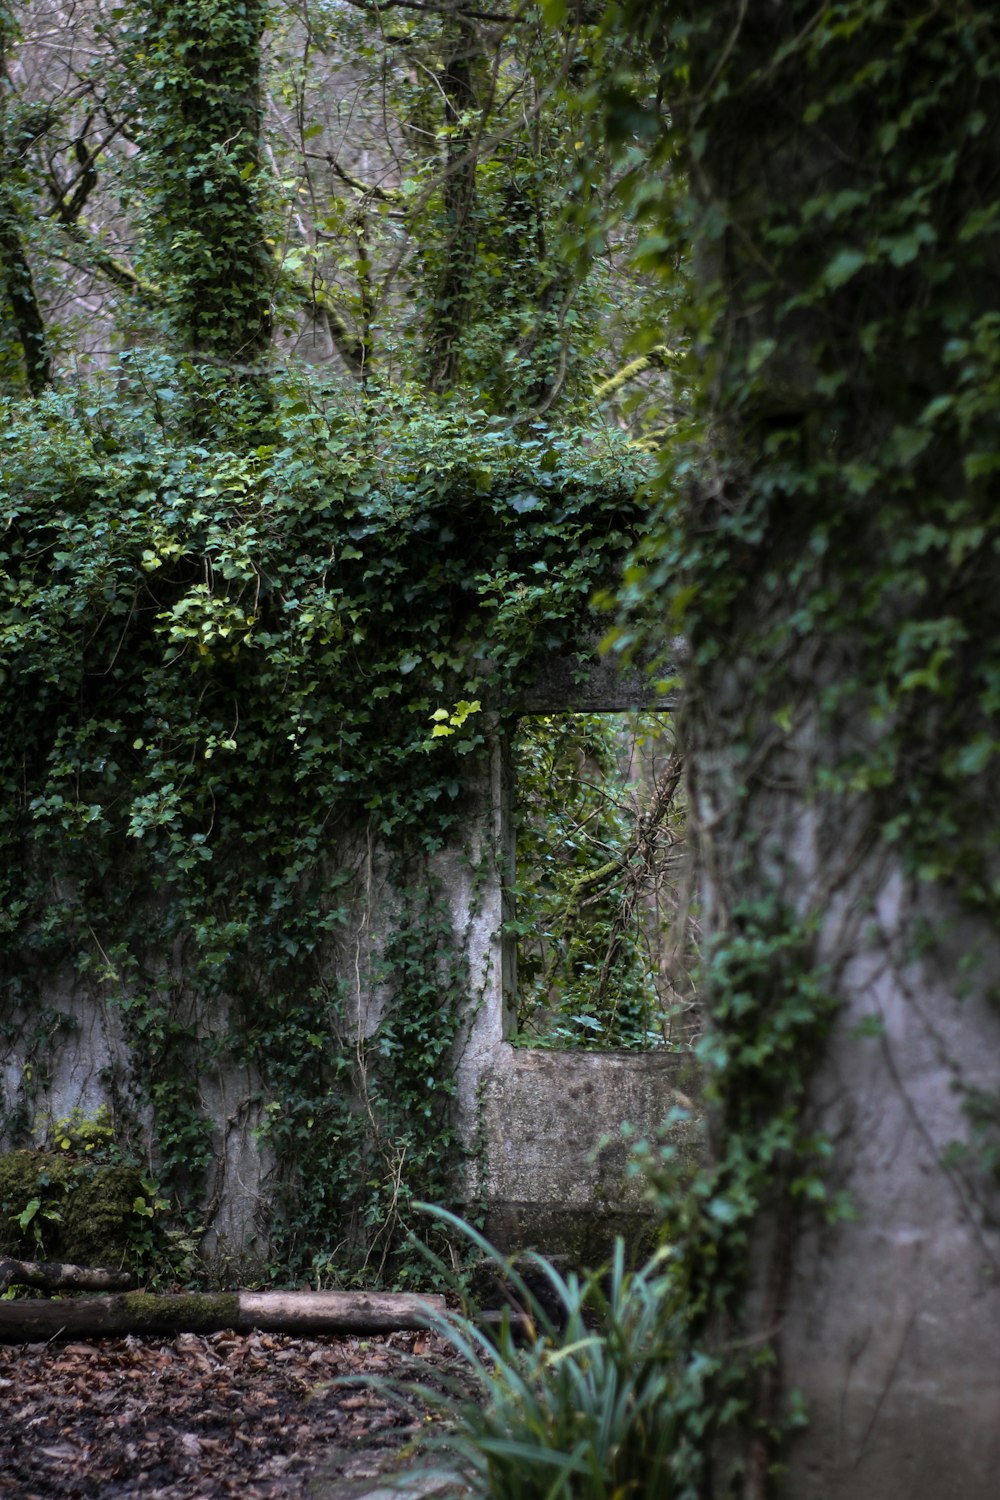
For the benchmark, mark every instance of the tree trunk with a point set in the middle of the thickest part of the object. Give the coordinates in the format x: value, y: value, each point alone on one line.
x: 200, y: 85
x: 450, y: 305
x: 17, y: 285
x: 20, y: 288
x: 204, y: 1312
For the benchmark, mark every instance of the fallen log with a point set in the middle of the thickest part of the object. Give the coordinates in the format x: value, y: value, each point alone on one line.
x: 34, y: 1321
x: 61, y: 1275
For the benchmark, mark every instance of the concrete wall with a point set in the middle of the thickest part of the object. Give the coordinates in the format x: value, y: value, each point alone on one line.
x: 534, y: 1122
x: 557, y: 1152
x: 545, y: 1127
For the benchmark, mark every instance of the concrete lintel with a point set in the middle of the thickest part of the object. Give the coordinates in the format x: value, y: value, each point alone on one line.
x: 585, y: 682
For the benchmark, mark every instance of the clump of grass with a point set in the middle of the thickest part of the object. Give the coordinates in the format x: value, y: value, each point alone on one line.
x: 576, y: 1395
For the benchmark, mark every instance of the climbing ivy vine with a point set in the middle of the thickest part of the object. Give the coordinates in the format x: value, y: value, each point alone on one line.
x: 816, y: 184
x: 251, y: 621
x: 196, y: 68
x: 224, y: 673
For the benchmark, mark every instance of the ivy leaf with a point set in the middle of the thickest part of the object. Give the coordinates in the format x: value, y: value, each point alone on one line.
x: 975, y: 756
x: 977, y: 465
x: 845, y: 264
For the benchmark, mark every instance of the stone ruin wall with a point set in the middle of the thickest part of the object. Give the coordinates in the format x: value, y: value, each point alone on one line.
x: 544, y: 1129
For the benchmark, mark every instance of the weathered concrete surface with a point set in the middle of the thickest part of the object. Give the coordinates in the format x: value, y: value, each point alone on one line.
x: 888, y: 1324
x: 543, y: 1128
x: 557, y: 1155
x: 85, y: 1046
x: 892, y: 1323
x: 586, y: 683
x: 89, y: 1063
x: 476, y: 879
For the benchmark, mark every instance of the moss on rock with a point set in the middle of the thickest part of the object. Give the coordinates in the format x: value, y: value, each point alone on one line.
x: 25, y: 1175
x: 99, y: 1215
x: 94, y: 1205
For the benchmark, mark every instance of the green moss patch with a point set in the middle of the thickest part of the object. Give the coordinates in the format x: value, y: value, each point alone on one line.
x: 53, y: 1206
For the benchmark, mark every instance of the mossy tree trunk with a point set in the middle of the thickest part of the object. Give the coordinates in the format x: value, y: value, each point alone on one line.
x: 17, y: 286
x: 449, y: 308
x: 199, y: 72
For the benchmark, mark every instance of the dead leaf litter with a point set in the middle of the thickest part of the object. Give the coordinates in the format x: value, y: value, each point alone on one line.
x: 201, y: 1417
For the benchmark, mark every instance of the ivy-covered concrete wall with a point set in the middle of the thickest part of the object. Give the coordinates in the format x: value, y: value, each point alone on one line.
x: 246, y: 770
x: 535, y: 1137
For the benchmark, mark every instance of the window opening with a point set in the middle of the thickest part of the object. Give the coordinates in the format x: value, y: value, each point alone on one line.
x: 602, y: 910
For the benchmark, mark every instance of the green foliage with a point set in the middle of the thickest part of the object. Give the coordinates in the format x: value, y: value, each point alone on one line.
x: 24, y: 355
x: 78, y: 1196
x: 582, y: 1403
x: 249, y: 624
x: 624, y: 1381
x: 591, y: 852
x: 392, y: 200
x: 78, y: 1132
x: 826, y: 540
x: 221, y: 674
x: 368, y: 1125
x: 836, y: 510
x: 196, y: 66
x: 500, y: 311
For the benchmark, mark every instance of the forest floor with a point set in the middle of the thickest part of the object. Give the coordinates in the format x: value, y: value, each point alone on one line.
x: 254, y: 1416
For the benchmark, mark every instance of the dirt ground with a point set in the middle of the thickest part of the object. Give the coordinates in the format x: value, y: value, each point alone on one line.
x: 197, y: 1417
